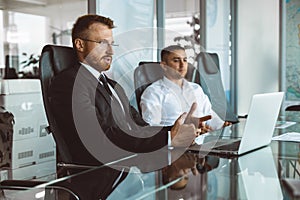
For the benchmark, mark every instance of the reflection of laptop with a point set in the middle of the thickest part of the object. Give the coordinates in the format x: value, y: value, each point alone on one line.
x: 258, y: 176
x: 258, y: 131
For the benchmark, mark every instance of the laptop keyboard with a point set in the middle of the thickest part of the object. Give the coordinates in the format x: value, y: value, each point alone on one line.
x: 229, y: 147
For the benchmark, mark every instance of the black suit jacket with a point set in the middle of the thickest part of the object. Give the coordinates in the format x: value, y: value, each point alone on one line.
x: 91, y: 122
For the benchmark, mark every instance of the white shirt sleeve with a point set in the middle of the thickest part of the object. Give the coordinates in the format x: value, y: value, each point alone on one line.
x: 205, y: 107
x: 151, y: 107
x: 216, y: 122
x: 203, y: 102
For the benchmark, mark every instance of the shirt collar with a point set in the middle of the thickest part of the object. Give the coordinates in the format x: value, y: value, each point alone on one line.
x: 94, y: 72
x: 171, y: 84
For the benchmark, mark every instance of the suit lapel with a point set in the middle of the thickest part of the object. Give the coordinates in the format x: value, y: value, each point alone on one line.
x: 99, y: 89
x: 94, y: 83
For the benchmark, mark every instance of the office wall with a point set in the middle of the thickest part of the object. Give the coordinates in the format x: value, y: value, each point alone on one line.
x: 292, y: 47
x: 257, y: 49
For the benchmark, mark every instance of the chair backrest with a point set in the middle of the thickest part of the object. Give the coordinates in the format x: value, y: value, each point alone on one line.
x: 144, y: 75
x: 148, y: 72
x: 53, y: 60
x: 211, y: 83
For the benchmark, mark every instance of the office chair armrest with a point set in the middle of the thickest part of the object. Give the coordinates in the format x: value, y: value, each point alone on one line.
x: 243, y: 116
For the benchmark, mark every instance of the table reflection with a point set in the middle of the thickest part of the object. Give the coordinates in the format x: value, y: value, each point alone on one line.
x: 267, y: 173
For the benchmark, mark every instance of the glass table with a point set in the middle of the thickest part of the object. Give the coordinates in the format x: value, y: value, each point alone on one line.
x: 268, y: 173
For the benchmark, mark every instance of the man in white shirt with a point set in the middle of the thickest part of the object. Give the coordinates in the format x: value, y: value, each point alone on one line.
x: 164, y: 100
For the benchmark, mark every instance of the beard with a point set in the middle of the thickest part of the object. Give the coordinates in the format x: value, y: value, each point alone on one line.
x: 100, y: 64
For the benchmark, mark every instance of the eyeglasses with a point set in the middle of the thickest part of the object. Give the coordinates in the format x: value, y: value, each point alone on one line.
x: 101, y: 42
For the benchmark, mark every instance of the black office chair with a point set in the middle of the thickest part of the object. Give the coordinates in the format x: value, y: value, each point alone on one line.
x: 53, y: 60
x: 148, y: 72
x: 211, y: 83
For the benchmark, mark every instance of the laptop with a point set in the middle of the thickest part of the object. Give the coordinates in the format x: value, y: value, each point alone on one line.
x: 258, y: 130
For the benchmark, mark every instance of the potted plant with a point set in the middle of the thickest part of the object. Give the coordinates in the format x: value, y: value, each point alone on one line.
x: 30, y: 66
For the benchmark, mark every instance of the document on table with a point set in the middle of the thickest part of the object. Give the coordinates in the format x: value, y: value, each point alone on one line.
x: 290, y: 136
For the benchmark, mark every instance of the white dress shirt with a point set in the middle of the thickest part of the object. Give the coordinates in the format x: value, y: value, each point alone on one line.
x: 96, y: 74
x: 164, y: 101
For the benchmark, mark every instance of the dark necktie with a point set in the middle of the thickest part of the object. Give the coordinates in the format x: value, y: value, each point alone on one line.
x: 115, y: 101
x: 103, y: 80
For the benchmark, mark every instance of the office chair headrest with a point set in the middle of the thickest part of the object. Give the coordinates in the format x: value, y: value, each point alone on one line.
x: 147, y: 73
x: 209, y: 61
x: 60, y: 57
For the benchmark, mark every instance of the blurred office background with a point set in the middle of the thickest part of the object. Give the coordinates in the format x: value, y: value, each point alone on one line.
x: 258, y: 42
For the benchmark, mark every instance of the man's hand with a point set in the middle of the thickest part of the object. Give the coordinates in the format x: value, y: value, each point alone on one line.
x: 199, y: 123
x: 203, y: 126
x: 227, y: 124
x: 189, y: 119
x: 185, y: 135
x: 183, y: 132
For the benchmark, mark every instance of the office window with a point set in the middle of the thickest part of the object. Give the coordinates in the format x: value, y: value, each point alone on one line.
x: 29, y: 25
x: 182, y: 25
x: 218, y: 37
x: 20, y: 42
x: 135, y: 34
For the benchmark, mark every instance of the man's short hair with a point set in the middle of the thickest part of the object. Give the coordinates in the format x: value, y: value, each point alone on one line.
x: 169, y: 49
x: 83, y: 23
